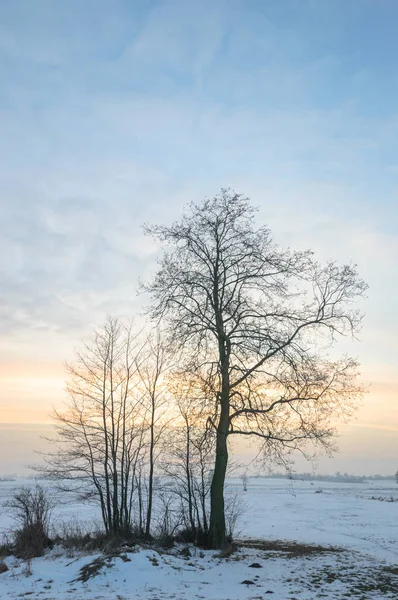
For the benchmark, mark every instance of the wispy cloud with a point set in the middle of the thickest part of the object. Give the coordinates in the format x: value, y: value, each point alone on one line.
x: 116, y: 114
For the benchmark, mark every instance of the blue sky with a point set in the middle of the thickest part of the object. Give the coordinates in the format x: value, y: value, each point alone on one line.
x: 114, y: 113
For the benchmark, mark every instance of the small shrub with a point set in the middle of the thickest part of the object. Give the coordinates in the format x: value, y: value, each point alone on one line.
x: 165, y: 541
x: 31, y: 541
x: 31, y: 508
x: 186, y: 535
x: 3, y: 567
x: 6, y: 546
x: 199, y: 537
x: 185, y: 552
x: 234, y: 509
x: 72, y: 535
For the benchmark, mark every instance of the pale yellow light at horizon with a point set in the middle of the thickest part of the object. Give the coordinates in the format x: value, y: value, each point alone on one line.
x: 29, y: 391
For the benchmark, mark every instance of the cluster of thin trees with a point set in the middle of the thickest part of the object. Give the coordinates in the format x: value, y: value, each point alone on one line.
x: 241, y: 343
x: 128, y: 422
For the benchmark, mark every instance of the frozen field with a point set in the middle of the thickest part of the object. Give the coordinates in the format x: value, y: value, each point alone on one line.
x: 325, y: 513
x: 322, y: 513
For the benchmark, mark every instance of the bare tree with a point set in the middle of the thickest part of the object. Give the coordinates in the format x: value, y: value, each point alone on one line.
x: 256, y: 321
x: 188, y: 461
x: 152, y: 366
x: 101, y: 434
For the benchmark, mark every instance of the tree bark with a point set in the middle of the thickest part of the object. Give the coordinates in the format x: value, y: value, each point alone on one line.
x: 150, y: 477
x: 217, y: 528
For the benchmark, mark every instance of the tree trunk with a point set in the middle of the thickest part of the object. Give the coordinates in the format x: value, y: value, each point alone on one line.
x: 150, y: 501
x: 217, y: 528
x: 151, y: 471
x: 203, y: 500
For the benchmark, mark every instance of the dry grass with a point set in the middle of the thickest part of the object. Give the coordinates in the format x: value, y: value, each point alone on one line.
x: 292, y: 549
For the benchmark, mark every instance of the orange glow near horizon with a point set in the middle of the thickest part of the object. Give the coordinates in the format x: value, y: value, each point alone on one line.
x: 30, y: 390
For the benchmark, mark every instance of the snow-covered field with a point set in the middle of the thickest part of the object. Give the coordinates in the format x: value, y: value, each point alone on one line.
x: 322, y: 513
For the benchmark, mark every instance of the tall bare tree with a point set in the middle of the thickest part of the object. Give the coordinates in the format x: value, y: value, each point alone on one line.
x: 100, y: 444
x: 152, y: 366
x: 257, y: 321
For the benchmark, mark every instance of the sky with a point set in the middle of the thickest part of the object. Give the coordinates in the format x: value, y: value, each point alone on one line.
x: 117, y: 113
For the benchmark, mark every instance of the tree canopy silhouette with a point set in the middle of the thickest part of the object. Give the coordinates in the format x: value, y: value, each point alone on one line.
x: 257, y: 322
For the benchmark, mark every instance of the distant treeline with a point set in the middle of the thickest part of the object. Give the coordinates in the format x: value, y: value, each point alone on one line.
x: 338, y: 477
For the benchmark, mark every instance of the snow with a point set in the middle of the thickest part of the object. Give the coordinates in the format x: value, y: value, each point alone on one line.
x: 340, y: 515
x: 343, y: 515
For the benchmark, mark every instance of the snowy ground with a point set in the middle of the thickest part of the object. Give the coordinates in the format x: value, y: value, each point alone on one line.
x: 327, y: 514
